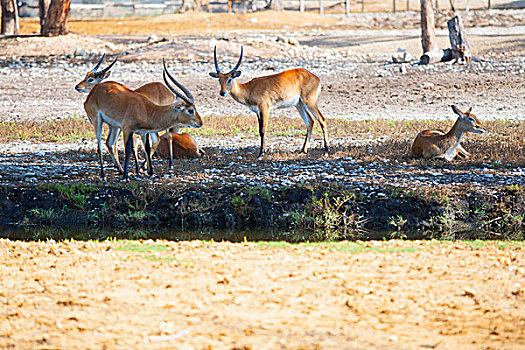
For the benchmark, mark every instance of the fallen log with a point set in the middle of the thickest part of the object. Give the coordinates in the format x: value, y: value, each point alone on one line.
x: 439, y: 55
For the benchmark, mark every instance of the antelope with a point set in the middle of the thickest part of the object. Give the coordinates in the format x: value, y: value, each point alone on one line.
x: 292, y: 88
x: 183, y: 145
x: 440, y: 145
x: 157, y: 92
x: 132, y: 112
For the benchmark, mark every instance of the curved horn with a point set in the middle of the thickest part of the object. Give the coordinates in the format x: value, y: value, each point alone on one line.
x: 215, y: 60
x: 103, y: 71
x: 238, y: 63
x: 178, y: 94
x: 179, y: 85
x: 99, y: 63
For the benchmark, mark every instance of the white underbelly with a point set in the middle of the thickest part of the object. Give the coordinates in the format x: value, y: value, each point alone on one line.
x: 252, y: 108
x: 108, y: 120
x: 292, y: 102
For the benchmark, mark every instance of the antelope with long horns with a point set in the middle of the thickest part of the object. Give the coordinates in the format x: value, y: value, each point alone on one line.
x: 297, y: 88
x: 132, y: 112
x: 159, y: 94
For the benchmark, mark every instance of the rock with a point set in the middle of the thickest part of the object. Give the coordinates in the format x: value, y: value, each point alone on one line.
x: 281, y: 39
x: 111, y: 46
x: 79, y: 52
x: 152, y: 38
x: 401, y: 56
x: 469, y: 292
x: 293, y: 41
x: 287, y: 40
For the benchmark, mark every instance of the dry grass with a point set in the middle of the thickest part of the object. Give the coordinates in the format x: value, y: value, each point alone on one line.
x: 62, y: 130
x: 364, y: 140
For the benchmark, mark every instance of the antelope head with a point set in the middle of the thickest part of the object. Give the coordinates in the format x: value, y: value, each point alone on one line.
x: 469, y: 122
x: 225, y: 79
x: 93, y: 77
x: 185, y: 104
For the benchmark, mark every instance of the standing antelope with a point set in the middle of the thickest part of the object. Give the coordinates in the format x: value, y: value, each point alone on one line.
x: 159, y: 94
x: 132, y: 112
x: 438, y: 144
x: 183, y: 145
x: 292, y: 88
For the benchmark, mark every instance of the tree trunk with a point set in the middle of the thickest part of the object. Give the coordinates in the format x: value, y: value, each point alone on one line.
x: 43, y: 6
x: 428, y: 34
x: 56, y: 18
x: 10, y: 25
x: 276, y: 5
x: 458, y: 40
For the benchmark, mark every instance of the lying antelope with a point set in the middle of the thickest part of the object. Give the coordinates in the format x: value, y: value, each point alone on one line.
x: 183, y: 145
x: 438, y: 144
x: 132, y: 112
x: 157, y: 92
x: 292, y: 88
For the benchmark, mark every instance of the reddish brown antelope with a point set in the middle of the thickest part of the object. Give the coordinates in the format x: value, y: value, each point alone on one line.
x: 159, y: 94
x: 292, y: 88
x: 132, y: 112
x: 438, y: 144
x: 183, y: 145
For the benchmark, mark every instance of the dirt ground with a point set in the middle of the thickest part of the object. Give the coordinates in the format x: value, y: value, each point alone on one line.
x: 359, y: 83
x: 205, y: 295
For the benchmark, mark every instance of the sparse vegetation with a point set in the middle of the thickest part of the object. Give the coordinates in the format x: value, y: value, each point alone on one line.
x: 505, y: 141
x: 77, y: 192
x: 59, y: 130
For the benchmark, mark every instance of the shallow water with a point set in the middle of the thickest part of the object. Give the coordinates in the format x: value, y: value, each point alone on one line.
x: 31, y: 233
x: 83, y: 233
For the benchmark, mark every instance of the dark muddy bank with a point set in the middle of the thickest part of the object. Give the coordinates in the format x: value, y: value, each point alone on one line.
x: 291, y: 213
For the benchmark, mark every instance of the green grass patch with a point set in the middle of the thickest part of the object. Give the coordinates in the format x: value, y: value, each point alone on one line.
x: 276, y: 244
x: 347, y: 247
x: 361, y: 248
x: 510, y: 245
x: 160, y: 258
x: 143, y: 248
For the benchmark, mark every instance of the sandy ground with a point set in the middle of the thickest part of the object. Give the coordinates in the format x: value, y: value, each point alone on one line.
x: 201, y: 295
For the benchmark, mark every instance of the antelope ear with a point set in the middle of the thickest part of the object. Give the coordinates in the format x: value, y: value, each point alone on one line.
x: 107, y: 74
x: 236, y: 74
x: 214, y: 75
x: 469, y: 110
x: 457, y: 111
